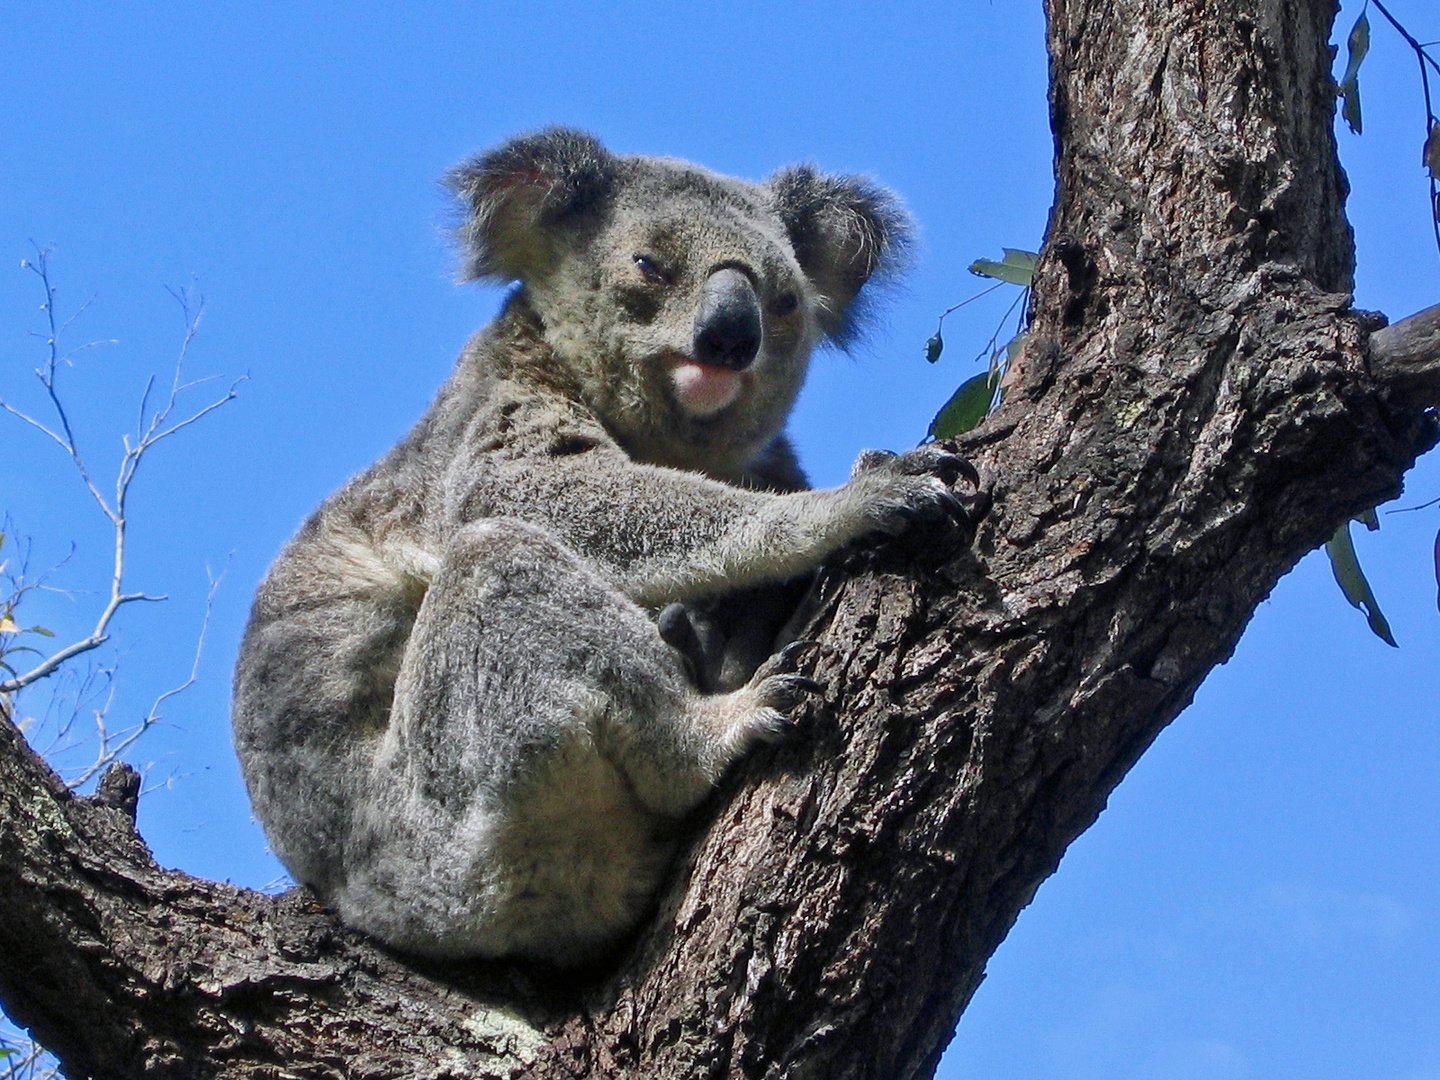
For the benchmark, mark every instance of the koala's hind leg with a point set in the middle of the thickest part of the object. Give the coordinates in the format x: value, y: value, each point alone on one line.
x: 539, y: 731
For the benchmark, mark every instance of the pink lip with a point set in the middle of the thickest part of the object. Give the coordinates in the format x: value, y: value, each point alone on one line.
x: 703, y: 389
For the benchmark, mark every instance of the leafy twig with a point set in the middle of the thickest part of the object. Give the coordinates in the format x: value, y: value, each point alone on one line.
x: 1349, y: 90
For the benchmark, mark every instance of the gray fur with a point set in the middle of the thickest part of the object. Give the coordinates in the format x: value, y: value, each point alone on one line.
x: 456, y: 717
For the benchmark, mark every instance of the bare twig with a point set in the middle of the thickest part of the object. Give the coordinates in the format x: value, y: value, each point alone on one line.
x: 112, y: 746
x: 151, y: 428
x: 969, y: 300
x: 24, y: 1058
x: 1410, y: 509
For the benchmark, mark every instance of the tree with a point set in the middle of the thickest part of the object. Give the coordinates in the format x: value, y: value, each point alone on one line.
x: 1199, y: 406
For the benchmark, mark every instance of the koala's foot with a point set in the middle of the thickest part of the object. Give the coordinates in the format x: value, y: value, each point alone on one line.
x: 697, y: 637
x: 724, y: 640
x: 762, y: 711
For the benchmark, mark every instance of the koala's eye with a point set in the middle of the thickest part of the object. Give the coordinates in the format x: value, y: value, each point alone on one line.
x: 652, y: 269
x: 784, y: 304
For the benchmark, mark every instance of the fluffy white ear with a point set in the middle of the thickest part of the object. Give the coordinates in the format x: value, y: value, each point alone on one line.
x: 846, y: 231
x: 515, y: 198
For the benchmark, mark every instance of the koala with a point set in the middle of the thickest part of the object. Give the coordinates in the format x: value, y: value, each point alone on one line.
x: 455, y: 712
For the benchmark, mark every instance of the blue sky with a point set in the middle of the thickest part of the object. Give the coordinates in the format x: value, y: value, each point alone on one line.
x: 1261, y: 897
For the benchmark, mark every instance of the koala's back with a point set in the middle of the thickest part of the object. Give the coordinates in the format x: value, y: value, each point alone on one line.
x: 502, y: 828
x: 455, y: 714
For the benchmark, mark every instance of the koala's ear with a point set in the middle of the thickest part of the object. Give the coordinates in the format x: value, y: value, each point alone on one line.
x: 515, y: 198
x: 845, y: 231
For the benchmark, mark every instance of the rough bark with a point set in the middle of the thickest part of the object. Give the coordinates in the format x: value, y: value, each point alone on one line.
x: 1198, y: 408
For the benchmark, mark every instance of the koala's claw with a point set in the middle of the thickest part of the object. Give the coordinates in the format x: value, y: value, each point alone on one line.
x: 934, y: 460
x: 928, y: 458
x: 942, y: 503
x: 784, y: 692
x: 957, y: 468
x: 785, y: 659
x: 777, y: 697
x: 918, y: 499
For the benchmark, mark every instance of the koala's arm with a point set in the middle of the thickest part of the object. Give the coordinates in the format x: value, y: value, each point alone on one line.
x: 668, y: 535
x: 776, y: 468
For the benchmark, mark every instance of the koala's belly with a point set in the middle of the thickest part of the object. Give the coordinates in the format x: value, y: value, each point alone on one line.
x: 576, y: 857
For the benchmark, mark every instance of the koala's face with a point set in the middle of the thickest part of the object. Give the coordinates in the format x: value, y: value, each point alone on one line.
x: 684, y: 304
x: 684, y: 313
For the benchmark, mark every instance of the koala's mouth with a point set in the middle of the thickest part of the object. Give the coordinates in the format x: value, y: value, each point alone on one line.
x: 703, y: 389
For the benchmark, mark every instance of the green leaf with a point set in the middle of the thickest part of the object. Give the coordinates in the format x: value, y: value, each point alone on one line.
x: 1021, y: 257
x: 1358, y: 45
x: 1351, y: 109
x: 967, y: 406
x: 1018, y: 267
x: 1351, y: 580
x: 1432, y: 163
x: 933, y: 347
x: 1014, y: 345
x: 1008, y: 368
x: 38, y: 629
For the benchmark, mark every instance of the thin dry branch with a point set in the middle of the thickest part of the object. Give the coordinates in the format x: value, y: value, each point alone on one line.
x: 150, y: 429
x: 111, y: 747
x: 27, y: 1062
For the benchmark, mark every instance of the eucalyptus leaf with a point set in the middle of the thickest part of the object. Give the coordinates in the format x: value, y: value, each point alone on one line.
x: 1432, y: 162
x: 933, y: 347
x: 1018, y: 267
x: 1358, y: 45
x: 967, y: 406
x: 1350, y: 92
x: 1021, y: 257
x: 1013, y: 347
x: 1351, y: 580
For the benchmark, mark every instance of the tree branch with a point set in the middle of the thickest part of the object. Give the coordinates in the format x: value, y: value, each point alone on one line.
x: 1406, y: 358
x: 1195, y: 412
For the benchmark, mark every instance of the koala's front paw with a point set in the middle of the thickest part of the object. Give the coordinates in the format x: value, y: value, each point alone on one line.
x: 930, y: 459
x: 913, y: 486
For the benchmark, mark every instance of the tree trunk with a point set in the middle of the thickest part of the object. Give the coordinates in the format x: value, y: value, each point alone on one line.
x: 1198, y: 407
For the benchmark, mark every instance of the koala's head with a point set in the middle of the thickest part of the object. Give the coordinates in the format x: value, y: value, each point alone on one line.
x: 684, y: 304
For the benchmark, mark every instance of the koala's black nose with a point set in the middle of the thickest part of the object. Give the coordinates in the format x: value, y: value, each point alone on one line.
x: 727, y: 324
